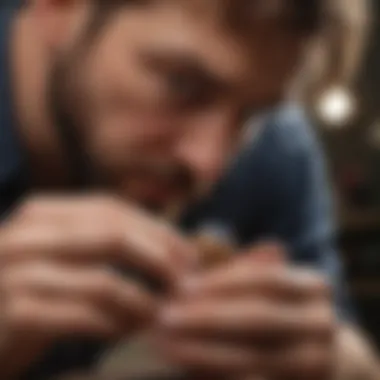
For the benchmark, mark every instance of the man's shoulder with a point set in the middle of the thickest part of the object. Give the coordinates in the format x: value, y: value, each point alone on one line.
x: 288, y: 132
x: 284, y: 149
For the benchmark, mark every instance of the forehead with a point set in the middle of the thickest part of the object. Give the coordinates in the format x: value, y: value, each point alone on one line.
x: 205, y: 31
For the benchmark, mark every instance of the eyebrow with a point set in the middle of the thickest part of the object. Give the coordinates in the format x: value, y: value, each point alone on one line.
x: 165, y: 60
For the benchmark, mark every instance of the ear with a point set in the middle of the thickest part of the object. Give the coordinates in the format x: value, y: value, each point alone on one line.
x: 58, y: 19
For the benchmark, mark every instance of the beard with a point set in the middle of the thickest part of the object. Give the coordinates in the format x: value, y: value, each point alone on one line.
x: 64, y: 104
x: 69, y: 104
x: 68, y: 107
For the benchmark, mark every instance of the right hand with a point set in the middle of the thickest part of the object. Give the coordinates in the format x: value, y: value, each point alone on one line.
x: 56, y: 276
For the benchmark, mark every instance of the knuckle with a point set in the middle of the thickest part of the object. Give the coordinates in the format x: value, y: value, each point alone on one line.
x: 106, y: 285
x: 17, y: 279
x: 107, y: 238
x: 173, y: 247
x: 180, y: 251
x: 107, y: 217
x: 107, y: 205
x: 31, y: 206
x: 19, y: 314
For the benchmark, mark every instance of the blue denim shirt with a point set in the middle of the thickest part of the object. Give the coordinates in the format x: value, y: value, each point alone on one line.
x: 278, y: 188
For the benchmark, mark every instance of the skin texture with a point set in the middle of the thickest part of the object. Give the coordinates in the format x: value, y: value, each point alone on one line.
x: 158, y: 99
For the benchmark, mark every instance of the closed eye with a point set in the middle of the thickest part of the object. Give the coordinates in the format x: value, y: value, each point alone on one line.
x: 187, y: 83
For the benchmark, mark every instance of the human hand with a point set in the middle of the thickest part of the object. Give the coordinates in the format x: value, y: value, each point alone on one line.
x: 56, y: 274
x: 254, y: 316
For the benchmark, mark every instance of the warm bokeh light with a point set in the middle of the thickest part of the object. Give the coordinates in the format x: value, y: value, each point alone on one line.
x: 336, y: 107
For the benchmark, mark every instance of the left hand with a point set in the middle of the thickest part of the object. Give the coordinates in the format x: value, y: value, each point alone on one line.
x: 248, y: 318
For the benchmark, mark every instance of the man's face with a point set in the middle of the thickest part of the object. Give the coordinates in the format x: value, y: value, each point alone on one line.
x: 161, y: 93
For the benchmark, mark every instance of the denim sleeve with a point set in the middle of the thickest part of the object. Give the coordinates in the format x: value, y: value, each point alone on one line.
x: 305, y: 218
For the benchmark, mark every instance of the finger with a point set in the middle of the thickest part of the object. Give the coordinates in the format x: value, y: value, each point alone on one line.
x: 268, y: 253
x: 52, y: 242
x: 247, y: 319
x: 180, y: 249
x: 100, y: 287
x: 240, y: 278
x: 157, y: 256
x: 135, y: 250
x: 104, y: 211
x: 96, y: 229
x: 210, y: 357
x: 37, y: 317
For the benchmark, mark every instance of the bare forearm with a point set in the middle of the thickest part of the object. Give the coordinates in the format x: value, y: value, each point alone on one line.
x: 357, y: 359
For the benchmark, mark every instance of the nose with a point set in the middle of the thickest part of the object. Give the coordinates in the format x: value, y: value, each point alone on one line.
x: 205, y: 145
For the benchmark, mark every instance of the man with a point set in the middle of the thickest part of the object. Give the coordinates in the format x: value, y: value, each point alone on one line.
x: 146, y: 99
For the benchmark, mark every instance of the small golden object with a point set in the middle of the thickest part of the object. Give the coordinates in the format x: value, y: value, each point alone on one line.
x: 215, y: 245
x: 213, y: 252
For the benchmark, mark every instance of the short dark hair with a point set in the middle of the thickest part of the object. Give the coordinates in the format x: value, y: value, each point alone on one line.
x: 309, y: 15
x: 305, y: 17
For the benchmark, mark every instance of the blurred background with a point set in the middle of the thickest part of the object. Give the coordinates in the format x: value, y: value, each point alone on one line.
x: 342, y: 94
x: 344, y: 100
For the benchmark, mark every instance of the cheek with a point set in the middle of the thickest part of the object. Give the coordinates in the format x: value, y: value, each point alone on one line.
x: 116, y: 137
x: 132, y: 130
x: 116, y: 121
x: 120, y: 80
x: 123, y: 106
